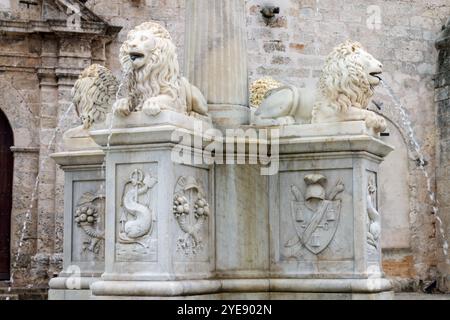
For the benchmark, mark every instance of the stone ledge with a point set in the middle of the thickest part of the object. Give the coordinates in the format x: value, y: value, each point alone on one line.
x: 25, y: 149
x: 199, y: 287
x: 76, y: 158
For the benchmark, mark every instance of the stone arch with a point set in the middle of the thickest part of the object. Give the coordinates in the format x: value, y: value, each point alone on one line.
x: 398, y: 203
x: 20, y: 115
x: 23, y: 123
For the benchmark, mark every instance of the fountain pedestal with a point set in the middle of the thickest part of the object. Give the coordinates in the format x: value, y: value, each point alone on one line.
x: 311, y: 231
x: 84, y: 223
x: 324, y: 223
x: 160, y: 221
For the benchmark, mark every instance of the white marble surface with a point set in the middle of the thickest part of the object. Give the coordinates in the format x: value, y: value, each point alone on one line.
x: 251, y: 217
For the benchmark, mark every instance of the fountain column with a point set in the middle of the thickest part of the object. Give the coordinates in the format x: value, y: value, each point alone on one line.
x: 216, y: 57
x: 216, y: 62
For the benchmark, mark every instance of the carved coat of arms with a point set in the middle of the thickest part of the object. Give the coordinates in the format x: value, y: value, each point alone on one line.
x: 315, y: 215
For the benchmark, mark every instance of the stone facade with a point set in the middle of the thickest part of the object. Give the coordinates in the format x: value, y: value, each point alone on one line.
x: 442, y: 97
x: 40, y: 61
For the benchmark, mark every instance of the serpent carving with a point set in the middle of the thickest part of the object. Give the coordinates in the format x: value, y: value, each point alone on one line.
x: 142, y: 216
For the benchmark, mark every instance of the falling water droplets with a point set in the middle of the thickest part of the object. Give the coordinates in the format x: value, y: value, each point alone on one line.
x: 421, y: 162
x: 122, y: 84
x: 123, y: 81
x: 34, y: 193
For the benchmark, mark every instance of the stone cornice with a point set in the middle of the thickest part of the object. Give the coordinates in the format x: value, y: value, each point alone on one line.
x: 25, y: 149
x: 58, y: 26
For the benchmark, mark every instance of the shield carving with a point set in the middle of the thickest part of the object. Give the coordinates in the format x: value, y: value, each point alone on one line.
x: 316, y: 228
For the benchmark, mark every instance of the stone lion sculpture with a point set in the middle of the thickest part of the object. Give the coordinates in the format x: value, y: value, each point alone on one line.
x: 260, y: 87
x: 93, y: 94
x: 345, y: 88
x: 151, y: 68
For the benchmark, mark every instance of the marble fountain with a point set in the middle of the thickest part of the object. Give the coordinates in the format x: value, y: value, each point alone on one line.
x: 166, y: 193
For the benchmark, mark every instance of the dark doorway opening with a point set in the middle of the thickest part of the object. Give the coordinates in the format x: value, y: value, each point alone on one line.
x: 6, y: 179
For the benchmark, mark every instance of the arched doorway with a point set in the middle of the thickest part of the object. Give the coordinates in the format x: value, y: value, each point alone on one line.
x: 6, y: 179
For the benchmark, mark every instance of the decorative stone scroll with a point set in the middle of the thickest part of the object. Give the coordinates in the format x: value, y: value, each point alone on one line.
x: 191, y: 211
x: 88, y: 214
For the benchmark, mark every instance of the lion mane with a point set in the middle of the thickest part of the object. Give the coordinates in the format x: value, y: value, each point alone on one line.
x: 343, y: 82
x: 159, y: 76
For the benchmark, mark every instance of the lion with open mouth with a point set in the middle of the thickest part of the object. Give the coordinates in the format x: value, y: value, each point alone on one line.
x: 151, y: 69
x: 346, y: 85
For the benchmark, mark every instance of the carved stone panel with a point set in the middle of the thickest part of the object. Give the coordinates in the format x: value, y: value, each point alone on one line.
x: 88, y: 221
x: 192, y: 215
x: 136, y: 216
x: 373, y: 217
x: 315, y: 218
x: 315, y: 215
x: 191, y: 210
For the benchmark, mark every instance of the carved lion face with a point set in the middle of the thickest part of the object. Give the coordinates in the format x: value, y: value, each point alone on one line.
x: 140, y: 45
x: 149, y: 61
x: 349, y: 76
x: 371, y: 66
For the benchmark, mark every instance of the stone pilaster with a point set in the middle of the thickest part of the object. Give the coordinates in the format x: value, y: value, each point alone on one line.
x: 216, y: 57
x: 74, y: 55
x: 46, y: 189
x: 442, y: 98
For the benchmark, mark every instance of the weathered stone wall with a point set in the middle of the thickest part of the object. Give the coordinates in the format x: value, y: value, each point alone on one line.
x: 20, y: 102
x: 38, y: 68
x: 442, y: 97
x: 128, y: 14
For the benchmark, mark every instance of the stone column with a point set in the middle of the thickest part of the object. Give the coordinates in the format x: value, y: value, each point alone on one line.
x: 442, y: 98
x: 216, y: 62
x: 216, y: 57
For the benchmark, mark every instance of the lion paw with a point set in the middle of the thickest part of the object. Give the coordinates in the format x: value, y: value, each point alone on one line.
x: 150, y: 108
x: 122, y: 107
x: 284, y: 121
x: 377, y: 123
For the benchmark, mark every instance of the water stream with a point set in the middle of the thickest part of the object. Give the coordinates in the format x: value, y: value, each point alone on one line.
x: 124, y: 80
x: 406, y: 122
x: 34, y: 194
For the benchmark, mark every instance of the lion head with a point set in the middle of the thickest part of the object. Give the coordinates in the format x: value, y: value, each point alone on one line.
x: 349, y: 77
x: 149, y: 62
